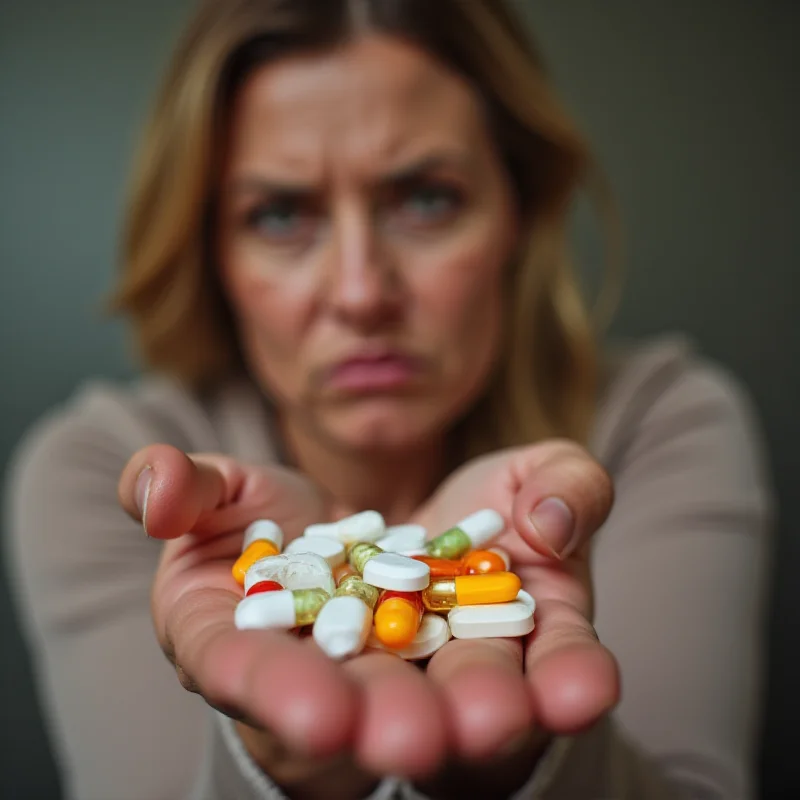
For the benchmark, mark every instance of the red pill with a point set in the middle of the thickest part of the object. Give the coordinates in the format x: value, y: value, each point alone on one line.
x: 264, y: 586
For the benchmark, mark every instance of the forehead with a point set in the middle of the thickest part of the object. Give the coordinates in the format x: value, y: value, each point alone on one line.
x: 372, y: 103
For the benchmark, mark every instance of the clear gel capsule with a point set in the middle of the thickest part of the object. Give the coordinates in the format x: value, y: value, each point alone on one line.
x: 471, y: 533
x: 470, y: 590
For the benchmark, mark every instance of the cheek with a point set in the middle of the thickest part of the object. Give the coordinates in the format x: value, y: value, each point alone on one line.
x: 461, y: 297
x: 270, y: 316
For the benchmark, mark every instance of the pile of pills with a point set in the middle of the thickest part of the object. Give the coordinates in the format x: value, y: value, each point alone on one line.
x: 356, y: 583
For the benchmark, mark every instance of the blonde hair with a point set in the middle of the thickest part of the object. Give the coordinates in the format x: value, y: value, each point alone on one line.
x: 545, y: 381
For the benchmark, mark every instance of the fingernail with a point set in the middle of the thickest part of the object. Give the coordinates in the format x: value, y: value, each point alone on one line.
x: 555, y: 525
x: 142, y: 492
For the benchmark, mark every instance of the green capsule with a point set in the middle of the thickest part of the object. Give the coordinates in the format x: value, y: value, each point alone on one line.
x: 451, y: 544
x: 354, y: 586
x: 360, y: 553
x: 307, y: 604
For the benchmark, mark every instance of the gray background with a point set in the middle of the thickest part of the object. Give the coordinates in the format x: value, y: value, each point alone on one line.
x: 691, y: 107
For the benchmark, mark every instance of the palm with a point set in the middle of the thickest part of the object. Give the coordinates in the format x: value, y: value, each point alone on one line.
x: 572, y: 683
x: 393, y: 718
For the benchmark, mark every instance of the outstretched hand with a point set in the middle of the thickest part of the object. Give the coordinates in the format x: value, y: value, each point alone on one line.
x: 302, y: 715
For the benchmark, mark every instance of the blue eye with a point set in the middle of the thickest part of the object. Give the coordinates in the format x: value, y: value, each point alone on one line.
x: 281, y: 220
x: 430, y: 204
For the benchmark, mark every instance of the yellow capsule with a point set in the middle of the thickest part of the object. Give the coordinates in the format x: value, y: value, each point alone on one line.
x: 471, y: 590
x: 397, y: 618
x: 261, y: 548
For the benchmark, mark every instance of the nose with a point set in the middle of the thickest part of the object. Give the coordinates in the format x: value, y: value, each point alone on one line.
x: 363, y: 288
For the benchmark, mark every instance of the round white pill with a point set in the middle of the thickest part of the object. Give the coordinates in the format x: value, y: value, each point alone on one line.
x: 433, y: 633
x: 400, y: 538
x: 342, y: 626
x: 266, y: 610
x: 482, y: 526
x: 263, y: 530
x: 366, y: 526
x: 292, y: 571
x: 487, y: 621
x: 400, y: 573
x: 331, y: 550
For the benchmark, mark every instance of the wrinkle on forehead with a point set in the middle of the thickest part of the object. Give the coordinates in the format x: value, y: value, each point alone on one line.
x: 360, y: 110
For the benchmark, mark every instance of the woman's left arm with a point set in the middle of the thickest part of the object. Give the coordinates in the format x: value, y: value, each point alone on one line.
x: 678, y: 571
x: 680, y: 574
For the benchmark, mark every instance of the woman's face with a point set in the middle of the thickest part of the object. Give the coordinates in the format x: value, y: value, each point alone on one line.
x: 365, y: 221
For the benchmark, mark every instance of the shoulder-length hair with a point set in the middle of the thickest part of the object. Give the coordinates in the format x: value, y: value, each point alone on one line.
x: 545, y: 381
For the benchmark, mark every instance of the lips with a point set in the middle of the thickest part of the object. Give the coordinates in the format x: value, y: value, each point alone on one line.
x: 373, y: 373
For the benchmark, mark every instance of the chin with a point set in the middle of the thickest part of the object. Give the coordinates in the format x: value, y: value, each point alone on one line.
x: 383, y: 426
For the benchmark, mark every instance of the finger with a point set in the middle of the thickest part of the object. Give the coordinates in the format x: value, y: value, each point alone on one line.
x: 562, y: 498
x: 574, y: 679
x: 167, y: 490
x: 402, y: 729
x: 273, y: 678
x: 486, y: 697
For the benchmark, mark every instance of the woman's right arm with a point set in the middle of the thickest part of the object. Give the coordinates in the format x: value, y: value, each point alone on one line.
x: 81, y: 572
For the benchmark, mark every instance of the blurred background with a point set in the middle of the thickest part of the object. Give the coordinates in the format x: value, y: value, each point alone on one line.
x: 692, y: 106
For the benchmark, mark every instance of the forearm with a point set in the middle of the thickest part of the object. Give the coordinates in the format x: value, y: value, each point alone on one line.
x: 242, y: 764
x: 599, y: 763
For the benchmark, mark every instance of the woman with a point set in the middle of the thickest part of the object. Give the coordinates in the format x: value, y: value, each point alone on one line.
x: 345, y: 255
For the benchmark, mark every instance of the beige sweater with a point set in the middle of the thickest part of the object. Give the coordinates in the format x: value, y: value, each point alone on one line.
x: 679, y: 569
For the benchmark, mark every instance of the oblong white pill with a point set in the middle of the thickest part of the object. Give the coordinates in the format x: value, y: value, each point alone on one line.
x: 266, y: 610
x: 342, y: 626
x: 482, y: 526
x: 524, y: 597
x: 292, y: 571
x: 400, y: 573
x: 332, y: 550
x: 503, y: 554
x: 263, y: 530
x: 366, y: 526
x: 488, y: 621
x: 400, y: 538
x: 433, y: 633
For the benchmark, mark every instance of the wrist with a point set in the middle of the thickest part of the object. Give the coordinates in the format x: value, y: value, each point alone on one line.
x: 303, y: 777
x: 498, y: 776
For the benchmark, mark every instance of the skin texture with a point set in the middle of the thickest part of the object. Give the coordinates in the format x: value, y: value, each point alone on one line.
x: 353, y: 259
x: 394, y: 234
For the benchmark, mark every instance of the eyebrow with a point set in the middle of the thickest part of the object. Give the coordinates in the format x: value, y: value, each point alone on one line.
x: 254, y: 183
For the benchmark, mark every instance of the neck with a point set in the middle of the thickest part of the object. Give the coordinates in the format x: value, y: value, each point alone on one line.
x: 391, y: 482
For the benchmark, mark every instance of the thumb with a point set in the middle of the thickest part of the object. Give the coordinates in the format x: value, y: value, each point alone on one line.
x: 168, y: 491
x: 563, y: 497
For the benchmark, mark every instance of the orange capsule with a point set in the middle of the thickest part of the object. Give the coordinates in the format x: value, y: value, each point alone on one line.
x: 441, y: 567
x: 261, y: 548
x: 470, y: 590
x: 397, y: 618
x: 479, y: 562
